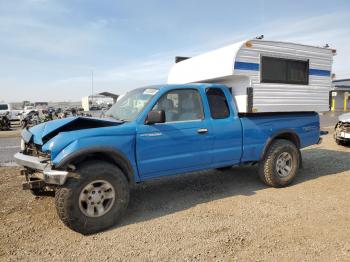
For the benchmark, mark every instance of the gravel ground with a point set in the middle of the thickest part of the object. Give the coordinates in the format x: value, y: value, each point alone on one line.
x: 11, y: 133
x: 8, y: 147
x: 216, y: 216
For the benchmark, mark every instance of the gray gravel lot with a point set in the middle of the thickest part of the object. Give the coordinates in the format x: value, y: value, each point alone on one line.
x: 8, y: 147
x: 329, y: 119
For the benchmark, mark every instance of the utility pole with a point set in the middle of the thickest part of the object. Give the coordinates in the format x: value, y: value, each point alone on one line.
x: 92, y: 87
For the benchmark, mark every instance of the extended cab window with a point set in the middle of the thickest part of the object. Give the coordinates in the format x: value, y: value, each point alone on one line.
x: 217, y: 103
x: 287, y: 71
x: 181, y: 105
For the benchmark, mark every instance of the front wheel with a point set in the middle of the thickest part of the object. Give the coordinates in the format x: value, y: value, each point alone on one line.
x: 280, y: 164
x: 94, y: 198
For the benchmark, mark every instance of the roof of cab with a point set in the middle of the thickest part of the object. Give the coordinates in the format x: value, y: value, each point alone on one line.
x: 184, y: 86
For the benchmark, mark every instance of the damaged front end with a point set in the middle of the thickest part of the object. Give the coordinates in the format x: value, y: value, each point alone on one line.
x: 37, y: 167
x: 342, y: 132
x: 36, y: 158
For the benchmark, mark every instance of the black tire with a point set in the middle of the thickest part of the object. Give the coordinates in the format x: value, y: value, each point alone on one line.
x: 67, y: 197
x: 339, y: 142
x: 267, y: 167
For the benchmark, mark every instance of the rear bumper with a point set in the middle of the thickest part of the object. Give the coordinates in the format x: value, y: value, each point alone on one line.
x: 40, y: 169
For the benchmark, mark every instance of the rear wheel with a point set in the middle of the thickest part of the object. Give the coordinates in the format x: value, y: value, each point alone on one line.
x: 95, y: 199
x: 280, y: 164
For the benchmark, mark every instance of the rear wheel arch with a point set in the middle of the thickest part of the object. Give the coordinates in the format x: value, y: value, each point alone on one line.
x: 103, y: 154
x: 286, y: 135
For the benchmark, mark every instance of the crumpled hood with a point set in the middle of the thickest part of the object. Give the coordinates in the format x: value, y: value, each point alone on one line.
x: 45, y: 131
x: 344, y: 117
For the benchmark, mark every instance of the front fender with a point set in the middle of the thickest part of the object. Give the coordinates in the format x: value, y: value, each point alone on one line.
x: 122, y: 151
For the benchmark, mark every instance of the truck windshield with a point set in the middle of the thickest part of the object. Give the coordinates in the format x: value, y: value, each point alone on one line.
x: 129, y: 106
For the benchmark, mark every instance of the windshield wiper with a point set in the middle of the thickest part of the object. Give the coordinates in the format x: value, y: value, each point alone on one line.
x: 118, y: 119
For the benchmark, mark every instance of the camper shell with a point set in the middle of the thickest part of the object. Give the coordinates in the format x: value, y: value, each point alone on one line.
x: 264, y: 76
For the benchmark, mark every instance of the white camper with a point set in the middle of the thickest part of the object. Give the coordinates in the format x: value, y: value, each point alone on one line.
x: 265, y: 76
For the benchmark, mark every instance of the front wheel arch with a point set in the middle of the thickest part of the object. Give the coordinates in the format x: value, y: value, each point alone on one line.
x: 105, y: 154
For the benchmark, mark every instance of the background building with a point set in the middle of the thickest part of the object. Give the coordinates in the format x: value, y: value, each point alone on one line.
x: 98, y: 101
x: 340, y: 95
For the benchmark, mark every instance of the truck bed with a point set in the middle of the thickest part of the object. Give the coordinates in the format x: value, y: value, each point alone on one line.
x: 260, y: 128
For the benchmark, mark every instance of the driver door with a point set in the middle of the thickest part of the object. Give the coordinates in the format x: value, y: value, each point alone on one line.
x: 181, y: 144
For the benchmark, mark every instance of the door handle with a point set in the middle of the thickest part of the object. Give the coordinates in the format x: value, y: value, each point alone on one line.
x: 202, y: 131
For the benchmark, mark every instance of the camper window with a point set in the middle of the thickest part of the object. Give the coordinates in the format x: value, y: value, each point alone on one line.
x: 287, y: 71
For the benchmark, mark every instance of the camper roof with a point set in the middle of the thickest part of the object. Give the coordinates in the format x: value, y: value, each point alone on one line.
x: 222, y: 62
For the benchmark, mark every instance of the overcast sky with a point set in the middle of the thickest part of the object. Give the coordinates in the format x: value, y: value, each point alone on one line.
x: 48, y: 48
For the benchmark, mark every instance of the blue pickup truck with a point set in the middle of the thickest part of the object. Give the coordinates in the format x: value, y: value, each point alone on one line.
x: 151, y: 132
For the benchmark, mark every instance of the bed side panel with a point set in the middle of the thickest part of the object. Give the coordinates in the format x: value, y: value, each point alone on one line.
x: 259, y: 130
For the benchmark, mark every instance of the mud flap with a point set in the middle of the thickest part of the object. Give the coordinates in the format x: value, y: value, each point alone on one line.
x: 301, y: 166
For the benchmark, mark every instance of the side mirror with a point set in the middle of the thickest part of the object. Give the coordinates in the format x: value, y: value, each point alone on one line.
x: 155, y: 116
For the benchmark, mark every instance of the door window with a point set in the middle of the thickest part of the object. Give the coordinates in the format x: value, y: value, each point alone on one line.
x: 181, y: 105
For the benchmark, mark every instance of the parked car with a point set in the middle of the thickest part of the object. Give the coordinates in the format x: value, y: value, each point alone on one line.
x: 152, y: 132
x: 11, y: 113
x: 4, y: 108
x: 30, y: 119
x: 28, y: 109
x: 342, y: 130
x: 5, y: 121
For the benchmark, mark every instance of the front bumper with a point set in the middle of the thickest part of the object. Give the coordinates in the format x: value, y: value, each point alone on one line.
x: 342, y: 131
x: 41, y: 169
x: 342, y: 136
